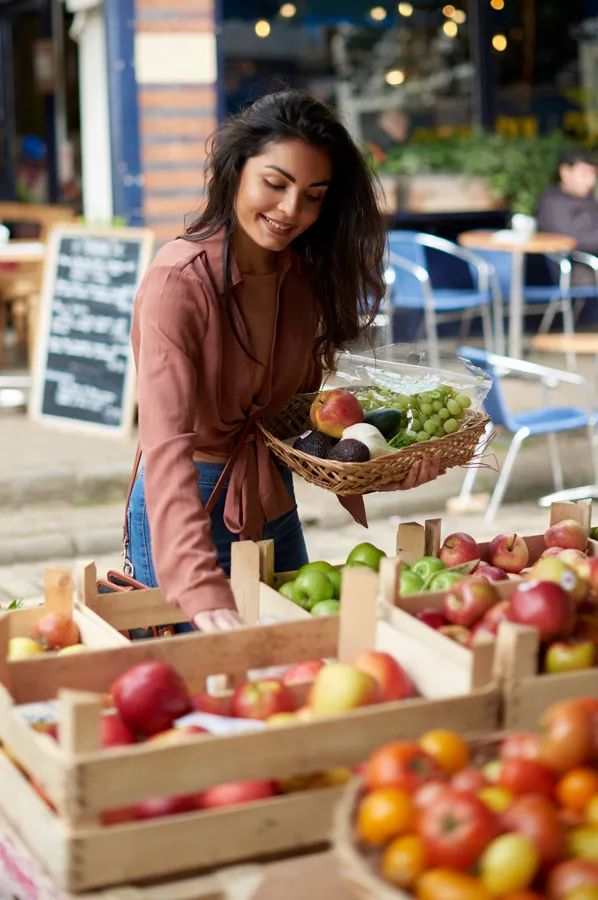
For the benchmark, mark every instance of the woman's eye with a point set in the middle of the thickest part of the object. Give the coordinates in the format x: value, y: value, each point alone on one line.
x: 275, y: 187
x: 315, y: 199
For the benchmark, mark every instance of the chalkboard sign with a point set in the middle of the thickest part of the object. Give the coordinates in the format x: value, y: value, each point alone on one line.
x: 83, y: 375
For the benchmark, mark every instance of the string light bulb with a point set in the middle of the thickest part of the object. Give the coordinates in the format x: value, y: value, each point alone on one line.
x: 448, y: 11
x: 378, y: 13
x: 451, y: 29
x: 405, y: 9
x: 459, y: 17
x: 497, y: 4
x: 499, y: 42
x: 288, y: 10
x: 262, y: 28
x: 394, y: 77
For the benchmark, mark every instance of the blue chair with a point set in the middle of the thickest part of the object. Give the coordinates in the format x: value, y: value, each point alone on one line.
x: 414, y: 284
x: 542, y: 420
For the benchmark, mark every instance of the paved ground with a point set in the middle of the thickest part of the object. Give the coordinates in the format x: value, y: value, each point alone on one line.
x: 62, y: 495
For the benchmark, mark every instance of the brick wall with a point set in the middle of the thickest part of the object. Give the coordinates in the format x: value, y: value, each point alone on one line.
x: 174, y: 121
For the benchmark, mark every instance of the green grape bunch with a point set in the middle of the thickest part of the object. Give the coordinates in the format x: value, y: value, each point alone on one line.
x: 427, y: 415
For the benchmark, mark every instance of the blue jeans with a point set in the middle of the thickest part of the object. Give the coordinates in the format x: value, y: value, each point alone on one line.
x: 289, y: 544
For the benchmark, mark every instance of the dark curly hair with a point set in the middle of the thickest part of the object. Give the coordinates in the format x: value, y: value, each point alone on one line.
x: 343, y: 251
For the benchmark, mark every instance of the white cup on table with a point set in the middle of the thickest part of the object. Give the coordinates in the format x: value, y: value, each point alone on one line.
x: 4, y: 234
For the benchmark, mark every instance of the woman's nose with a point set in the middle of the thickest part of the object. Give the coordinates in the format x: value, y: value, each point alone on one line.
x: 289, y: 204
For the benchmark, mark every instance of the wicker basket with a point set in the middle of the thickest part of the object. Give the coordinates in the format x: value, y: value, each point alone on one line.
x: 359, y: 866
x: 363, y: 477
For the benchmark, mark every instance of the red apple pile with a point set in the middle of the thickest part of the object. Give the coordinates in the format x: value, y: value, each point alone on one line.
x: 524, y: 826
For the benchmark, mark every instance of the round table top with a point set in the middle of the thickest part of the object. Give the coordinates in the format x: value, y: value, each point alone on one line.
x: 517, y: 242
x: 22, y: 252
x: 566, y: 343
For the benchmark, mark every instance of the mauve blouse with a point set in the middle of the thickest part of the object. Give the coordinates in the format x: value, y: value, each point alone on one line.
x: 195, y: 390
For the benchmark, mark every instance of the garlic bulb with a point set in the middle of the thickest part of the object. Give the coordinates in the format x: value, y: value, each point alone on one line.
x: 370, y: 436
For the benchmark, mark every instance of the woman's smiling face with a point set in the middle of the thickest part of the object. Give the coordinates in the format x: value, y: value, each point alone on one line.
x: 281, y: 192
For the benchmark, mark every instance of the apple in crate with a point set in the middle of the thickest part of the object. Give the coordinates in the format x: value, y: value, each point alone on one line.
x: 150, y: 696
x: 233, y: 793
x: 491, y: 573
x: 556, y: 569
x: 114, y: 732
x: 567, y: 534
x: 262, y: 699
x: 569, y: 656
x: 459, y: 548
x: 177, y: 735
x: 333, y: 411
x: 156, y: 807
x: 302, y: 672
x: 340, y: 687
x: 393, y: 681
x: 54, y: 631
x: 432, y: 617
x: 508, y: 552
x: 216, y: 705
x: 543, y: 605
x: 468, y: 600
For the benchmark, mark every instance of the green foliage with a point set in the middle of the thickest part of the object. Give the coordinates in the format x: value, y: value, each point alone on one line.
x: 518, y: 169
x: 14, y: 604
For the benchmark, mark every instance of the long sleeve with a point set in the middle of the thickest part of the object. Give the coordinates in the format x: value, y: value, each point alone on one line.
x: 560, y: 213
x: 171, y: 319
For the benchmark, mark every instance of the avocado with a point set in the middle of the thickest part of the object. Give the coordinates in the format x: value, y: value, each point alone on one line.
x: 349, y: 450
x: 387, y: 421
x: 315, y: 444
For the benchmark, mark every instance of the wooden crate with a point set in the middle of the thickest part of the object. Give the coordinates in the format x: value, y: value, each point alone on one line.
x: 526, y: 692
x: 81, y: 780
x: 58, y: 597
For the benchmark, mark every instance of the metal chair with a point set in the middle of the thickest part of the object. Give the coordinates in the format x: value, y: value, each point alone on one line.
x: 412, y: 284
x: 542, y: 420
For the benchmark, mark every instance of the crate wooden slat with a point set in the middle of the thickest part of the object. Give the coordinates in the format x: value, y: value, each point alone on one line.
x: 82, y: 781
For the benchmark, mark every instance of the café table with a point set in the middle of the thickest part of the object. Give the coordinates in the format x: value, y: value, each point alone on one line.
x: 518, y: 244
x: 18, y: 258
x: 584, y: 344
x: 22, y: 252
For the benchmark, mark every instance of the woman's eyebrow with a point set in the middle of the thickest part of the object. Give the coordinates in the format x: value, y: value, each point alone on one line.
x: 293, y: 179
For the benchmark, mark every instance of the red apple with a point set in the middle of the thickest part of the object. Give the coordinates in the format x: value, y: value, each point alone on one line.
x: 563, y: 574
x: 467, y: 601
x: 432, y: 617
x: 150, y: 696
x: 176, y: 735
x: 459, y: 548
x: 156, y: 807
x: 545, y: 606
x: 481, y: 633
x: 217, y: 705
x: 508, y: 552
x: 117, y: 816
x: 551, y: 551
x: 233, y: 793
x: 495, y: 615
x: 587, y: 568
x: 456, y: 633
x: 572, y: 557
x: 394, y: 682
x: 114, y: 732
x: 302, y: 672
x: 491, y: 573
x: 333, y: 411
x: 566, y: 534
x: 262, y: 699
x: 569, y: 656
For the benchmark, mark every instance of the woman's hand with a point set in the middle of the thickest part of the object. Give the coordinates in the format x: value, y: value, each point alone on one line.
x: 217, y: 620
x: 422, y: 471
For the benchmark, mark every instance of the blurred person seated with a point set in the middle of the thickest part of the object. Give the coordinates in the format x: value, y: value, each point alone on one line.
x: 570, y: 206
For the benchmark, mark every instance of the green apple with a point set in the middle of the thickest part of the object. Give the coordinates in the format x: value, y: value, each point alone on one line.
x: 426, y: 566
x: 365, y: 555
x: 335, y: 576
x: 319, y: 565
x: 569, y: 656
x: 325, y: 608
x: 442, y: 581
x: 311, y: 587
x: 288, y: 590
x: 409, y: 583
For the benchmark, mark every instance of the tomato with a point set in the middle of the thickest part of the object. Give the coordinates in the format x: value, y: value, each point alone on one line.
x: 455, y: 829
x: 383, y: 814
x: 520, y: 745
x: 404, y: 860
x: 526, y: 776
x: 566, y: 739
x: 536, y: 818
x: 591, y: 811
x: 400, y: 764
x: 584, y: 893
x: 55, y: 631
x: 470, y: 779
x: 449, y: 750
x: 509, y: 863
x: 427, y: 793
x: 583, y: 843
x: 442, y: 884
x: 577, y: 787
x: 566, y: 877
x: 590, y: 707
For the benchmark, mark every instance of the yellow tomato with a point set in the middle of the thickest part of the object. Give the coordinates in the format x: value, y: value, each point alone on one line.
x: 509, y: 863
x: 444, y: 884
x: 384, y: 814
x: 72, y: 649
x: 583, y: 842
x: 448, y: 749
x: 592, y: 810
x: 496, y: 798
x: 404, y: 860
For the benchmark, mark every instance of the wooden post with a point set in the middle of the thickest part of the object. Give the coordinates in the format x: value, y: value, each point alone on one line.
x: 245, y: 579
x: 266, y: 549
x: 86, y: 575
x: 58, y: 591
x: 5, y: 676
x: 517, y: 648
x: 580, y: 511
x: 389, y: 575
x: 432, y: 529
x: 411, y: 542
x: 358, y: 613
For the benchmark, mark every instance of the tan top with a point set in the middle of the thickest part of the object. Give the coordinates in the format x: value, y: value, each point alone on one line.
x: 196, y: 390
x: 540, y: 242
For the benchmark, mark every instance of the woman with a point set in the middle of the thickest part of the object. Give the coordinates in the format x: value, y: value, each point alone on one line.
x: 282, y: 269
